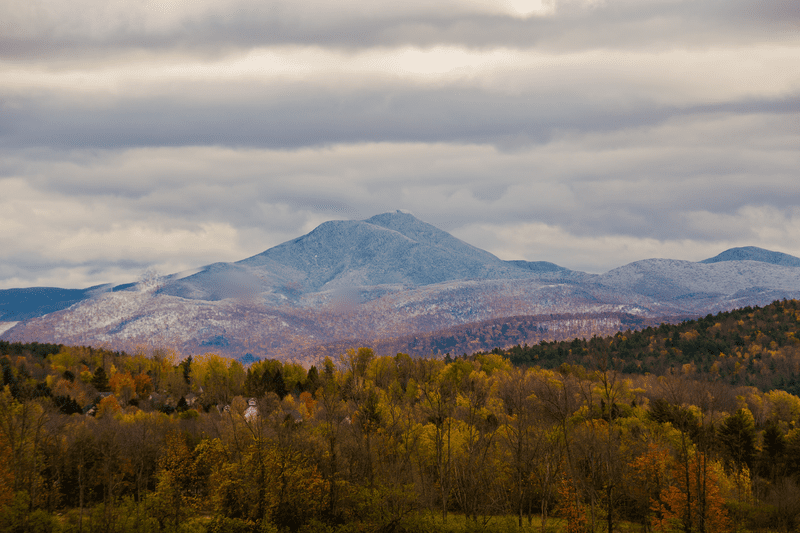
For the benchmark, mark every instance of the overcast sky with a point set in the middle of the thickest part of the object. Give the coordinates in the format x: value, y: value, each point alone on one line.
x: 169, y: 134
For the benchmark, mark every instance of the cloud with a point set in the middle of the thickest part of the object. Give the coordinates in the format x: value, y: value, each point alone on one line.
x: 687, y: 189
x: 773, y: 229
x: 532, y: 106
x: 584, y: 132
x: 47, y: 27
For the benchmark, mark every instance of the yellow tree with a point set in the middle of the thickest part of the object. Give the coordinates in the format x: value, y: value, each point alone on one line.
x: 177, y: 479
x: 437, y: 400
x: 560, y: 400
x: 108, y: 406
x: 123, y: 386
x: 477, y: 411
x: 219, y: 378
x: 22, y: 429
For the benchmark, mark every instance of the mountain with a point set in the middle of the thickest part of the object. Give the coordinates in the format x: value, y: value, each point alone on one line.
x: 388, y: 277
x: 393, y: 249
x: 752, y: 253
x: 669, y: 280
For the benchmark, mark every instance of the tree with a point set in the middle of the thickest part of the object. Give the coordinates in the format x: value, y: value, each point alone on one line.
x: 604, y: 457
x: 211, y: 374
x: 264, y: 377
x: 123, y: 385
x: 143, y: 384
x: 559, y: 397
x: 111, y: 468
x: 650, y: 473
x: 6, y: 474
x: 522, y: 435
x: 674, y: 506
x: 330, y: 410
x: 312, y: 380
x: 177, y: 479
x: 570, y: 506
x: 22, y: 430
x: 141, y: 435
x: 738, y: 438
x: 100, y: 380
x: 437, y: 402
x: 475, y: 464
x: 186, y: 369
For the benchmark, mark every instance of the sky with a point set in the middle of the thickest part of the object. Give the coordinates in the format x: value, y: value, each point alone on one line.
x: 163, y: 135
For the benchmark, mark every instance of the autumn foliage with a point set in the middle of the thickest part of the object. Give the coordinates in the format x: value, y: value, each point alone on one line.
x: 691, y: 500
x: 371, y: 442
x: 6, y: 475
x: 570, y: 506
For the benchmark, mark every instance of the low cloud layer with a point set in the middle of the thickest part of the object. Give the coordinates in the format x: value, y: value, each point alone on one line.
x: 169, y: 135
x: 51, y: 28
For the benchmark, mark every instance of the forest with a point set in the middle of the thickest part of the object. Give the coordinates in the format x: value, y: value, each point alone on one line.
x: 748, y: 346
x: 686, y: 427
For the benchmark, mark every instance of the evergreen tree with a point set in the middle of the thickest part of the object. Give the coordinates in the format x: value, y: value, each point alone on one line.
x: 100, y: 380
x: 738, y: 438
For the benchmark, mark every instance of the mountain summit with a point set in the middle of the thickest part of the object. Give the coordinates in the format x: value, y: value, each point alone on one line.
x: 392, y: 248
x: 388, y: 249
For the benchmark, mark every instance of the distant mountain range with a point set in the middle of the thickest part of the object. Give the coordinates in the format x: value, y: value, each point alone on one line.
x: 389, y: 277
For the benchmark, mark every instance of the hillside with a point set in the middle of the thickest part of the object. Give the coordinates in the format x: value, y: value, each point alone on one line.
x: 488, y: 334
x: 753, y: 346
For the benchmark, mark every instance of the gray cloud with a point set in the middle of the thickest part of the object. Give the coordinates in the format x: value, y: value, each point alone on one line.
x: 297, y: 115
x: 209, y: 204
x: 173, y: 135
x: 46, y: 27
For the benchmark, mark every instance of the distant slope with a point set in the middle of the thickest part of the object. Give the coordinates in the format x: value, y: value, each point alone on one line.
x: 537, y: 266
x: 673, y: 280
x: 501, y: 333
x: 753, y: 253
x: 754, y: 346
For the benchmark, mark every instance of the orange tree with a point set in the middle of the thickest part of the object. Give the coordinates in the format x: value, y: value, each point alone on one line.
x: 698, y: 506
x: 570, y: 506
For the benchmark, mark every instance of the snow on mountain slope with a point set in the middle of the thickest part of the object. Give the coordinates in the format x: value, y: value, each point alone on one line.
x: 128, y: 319
x: 753, y: 253
x: 669, y: 279
x: 393, y: 248
x: 390, y: 249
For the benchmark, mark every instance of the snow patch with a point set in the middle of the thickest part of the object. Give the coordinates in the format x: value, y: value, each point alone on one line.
x: 5, y: 326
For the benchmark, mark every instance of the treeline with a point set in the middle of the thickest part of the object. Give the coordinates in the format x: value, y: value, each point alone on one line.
x: 395, y: 443
x: 154, y: 380
x: 757, y: 347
